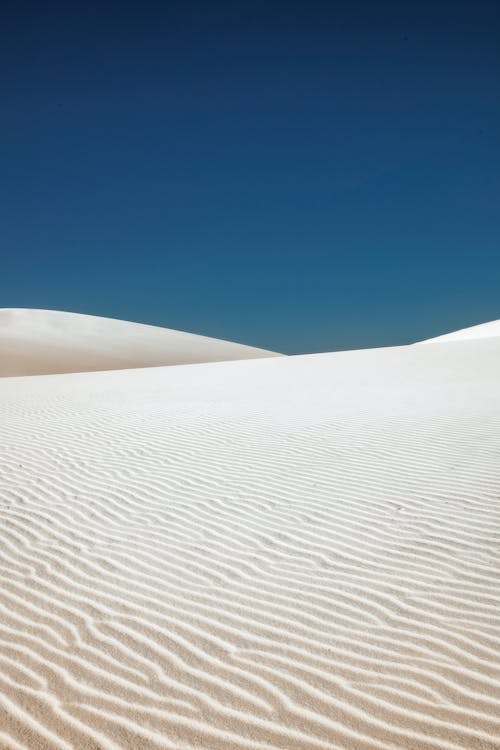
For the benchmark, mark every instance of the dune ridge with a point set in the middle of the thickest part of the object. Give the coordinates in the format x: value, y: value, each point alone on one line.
x: 483, y: 330
x: 42, y: 342
x: 287, y: 553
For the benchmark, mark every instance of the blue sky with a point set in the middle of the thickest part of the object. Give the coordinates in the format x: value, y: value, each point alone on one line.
x: 303, y: 176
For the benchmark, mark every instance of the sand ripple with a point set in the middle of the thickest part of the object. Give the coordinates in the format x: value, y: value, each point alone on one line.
x: 289, y: 553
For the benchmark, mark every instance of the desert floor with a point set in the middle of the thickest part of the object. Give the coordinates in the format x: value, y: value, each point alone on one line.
x: 295, y: 553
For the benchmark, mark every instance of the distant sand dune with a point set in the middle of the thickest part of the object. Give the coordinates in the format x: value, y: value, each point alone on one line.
x: 42, y: 342
x: 484, y: 330
x: 296, y: 553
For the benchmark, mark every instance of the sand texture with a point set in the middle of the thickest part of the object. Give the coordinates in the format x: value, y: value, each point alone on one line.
x: 43, y: 342
x: 298, y: 553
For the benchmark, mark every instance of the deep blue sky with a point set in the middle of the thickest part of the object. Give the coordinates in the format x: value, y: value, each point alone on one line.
x: 303, y: 176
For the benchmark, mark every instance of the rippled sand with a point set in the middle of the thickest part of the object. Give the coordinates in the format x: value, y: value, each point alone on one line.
x: 295, y: 553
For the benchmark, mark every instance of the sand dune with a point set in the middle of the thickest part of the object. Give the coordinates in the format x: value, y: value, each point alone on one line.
x: 484, y: 330
x: 297, y: 553
x: 39, y: 342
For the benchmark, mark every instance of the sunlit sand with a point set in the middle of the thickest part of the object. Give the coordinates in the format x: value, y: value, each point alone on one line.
x: 42, y: 342
x: 283, y: 552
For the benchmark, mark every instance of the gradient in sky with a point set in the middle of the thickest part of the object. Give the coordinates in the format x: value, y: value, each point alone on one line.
x: 303, y: 176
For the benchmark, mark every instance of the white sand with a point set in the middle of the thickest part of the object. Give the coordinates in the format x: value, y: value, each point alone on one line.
x: 297, y: 553
x: 484, y: 330
x: 42, y: 342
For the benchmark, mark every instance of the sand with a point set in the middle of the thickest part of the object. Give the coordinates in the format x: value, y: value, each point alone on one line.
x: 294, y: 553
x: 484, y: 330
x: 43, y: 342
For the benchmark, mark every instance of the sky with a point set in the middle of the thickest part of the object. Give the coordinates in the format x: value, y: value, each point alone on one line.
x: 301, y: 176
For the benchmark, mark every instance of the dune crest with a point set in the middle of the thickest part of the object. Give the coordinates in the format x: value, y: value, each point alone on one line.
x: 42, y: 342
x: 481, y: 331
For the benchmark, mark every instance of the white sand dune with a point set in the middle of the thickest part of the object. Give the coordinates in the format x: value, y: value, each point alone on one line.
x: 484, y: 330
x: 42, y: 342
x: 293, y: 553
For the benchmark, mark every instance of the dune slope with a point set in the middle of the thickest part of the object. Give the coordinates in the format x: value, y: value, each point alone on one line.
x: 37, y: 342
x: 291, y: 553
x: 484, y: 330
